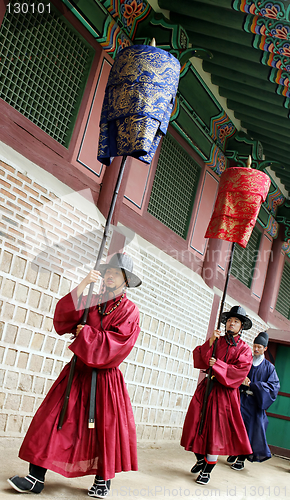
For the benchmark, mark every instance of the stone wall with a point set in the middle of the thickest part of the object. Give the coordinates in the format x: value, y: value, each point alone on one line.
x: 49, y: 240
x: 43, y: 238
x: 175, y: 307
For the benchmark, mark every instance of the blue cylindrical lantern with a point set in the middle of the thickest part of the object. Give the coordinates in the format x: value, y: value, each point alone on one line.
x: 138, y: 102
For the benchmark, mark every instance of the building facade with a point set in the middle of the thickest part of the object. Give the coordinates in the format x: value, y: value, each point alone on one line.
x: 55, y: 196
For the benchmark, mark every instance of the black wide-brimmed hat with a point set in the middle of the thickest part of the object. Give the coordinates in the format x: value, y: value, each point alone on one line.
x: 262, y: 339
x: 124, y: 262
x: 240, y: 313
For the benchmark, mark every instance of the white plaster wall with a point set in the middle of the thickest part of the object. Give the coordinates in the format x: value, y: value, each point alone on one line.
x: 49, y: 239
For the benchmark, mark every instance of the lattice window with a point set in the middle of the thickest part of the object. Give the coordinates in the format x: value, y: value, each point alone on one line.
x: 174, y: 187
x: 44, y: 69
x: 283, y: 300
x: 244, y: 260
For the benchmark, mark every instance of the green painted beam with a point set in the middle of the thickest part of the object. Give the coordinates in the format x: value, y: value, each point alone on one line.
x: 276, y: 156
x: 186, y: 8
x: 237, y: 76
x: 282, y: 174
x: 224, y: 47
x: 283, y: 168
x: 253, y: 69
x: 262, y: 95
x: 287, y: 188
x: 268, y: 134
x: 263, y: 115
x: 226, y: 4
x: 257, y: 104
x: 90, y: 14
x: 249, y: 122
x: 197, y: 97
x: 281, y: 147
x: 283, y: 182
x: 195, y: 26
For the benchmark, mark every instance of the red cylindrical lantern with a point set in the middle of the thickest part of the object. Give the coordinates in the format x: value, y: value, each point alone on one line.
x: 241, y: 193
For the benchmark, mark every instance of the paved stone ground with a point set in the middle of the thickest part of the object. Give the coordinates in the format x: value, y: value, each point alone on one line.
x: 164, y: 472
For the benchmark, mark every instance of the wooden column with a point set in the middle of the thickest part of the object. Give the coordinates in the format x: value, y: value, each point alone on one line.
x: 211, y: 261
x: 3, y: 4
x: 108, y: 185
x: 270, y: 288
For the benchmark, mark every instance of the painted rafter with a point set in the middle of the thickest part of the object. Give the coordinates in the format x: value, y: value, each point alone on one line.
x: 279, y: 10
x: 254, y: 102
x: 264, y: 96
x: 266, y: 127
x: 271, y: 23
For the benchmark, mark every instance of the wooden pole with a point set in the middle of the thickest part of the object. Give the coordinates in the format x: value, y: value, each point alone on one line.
x: 91, y: 288
x: 209, y: 376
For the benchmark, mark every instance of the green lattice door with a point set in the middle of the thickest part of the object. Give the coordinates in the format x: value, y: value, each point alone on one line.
x: 174, y: 187
x: 244, y: 260
x: 283, y: 299
x: 45, y: 64
x: 278, y: 432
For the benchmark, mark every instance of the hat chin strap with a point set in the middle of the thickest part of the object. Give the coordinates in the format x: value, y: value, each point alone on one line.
x: 113, y: 289
x: 230, y: 336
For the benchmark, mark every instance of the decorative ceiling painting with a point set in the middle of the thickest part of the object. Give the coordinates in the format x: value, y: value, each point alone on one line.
x: 250, y: 46
x: 244, y: 46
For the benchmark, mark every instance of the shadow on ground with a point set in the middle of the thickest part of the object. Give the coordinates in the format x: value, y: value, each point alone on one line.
x: 164, y: 472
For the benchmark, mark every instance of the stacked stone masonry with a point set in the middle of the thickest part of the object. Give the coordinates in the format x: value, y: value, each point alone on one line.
x: 47, y: 246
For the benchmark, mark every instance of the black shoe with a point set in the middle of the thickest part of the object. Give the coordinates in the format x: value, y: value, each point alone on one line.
x: 27, y: 484
x: 238, y: 465
x: 231, y: 459
x: 100, y: 488
x: 204, y: 476
x: 198, y: 466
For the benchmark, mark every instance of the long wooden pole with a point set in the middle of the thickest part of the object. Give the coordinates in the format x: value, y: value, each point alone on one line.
x: 209, y: 376
x: 91, y: 288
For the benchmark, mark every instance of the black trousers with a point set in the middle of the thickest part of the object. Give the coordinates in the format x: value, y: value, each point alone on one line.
x: 37, y: 471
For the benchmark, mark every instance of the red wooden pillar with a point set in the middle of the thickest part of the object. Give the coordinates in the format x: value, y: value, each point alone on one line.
x: 212, y: 258
x: 270, y: 287
x: 3, y: 4
x: 108, y: 187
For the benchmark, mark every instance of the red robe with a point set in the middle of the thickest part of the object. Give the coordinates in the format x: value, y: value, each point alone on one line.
x: 224, y: 432
x: 75, y: 450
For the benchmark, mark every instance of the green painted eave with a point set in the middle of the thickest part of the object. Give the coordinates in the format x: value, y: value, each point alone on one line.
x: 239, y: 67
x: 242, y: 68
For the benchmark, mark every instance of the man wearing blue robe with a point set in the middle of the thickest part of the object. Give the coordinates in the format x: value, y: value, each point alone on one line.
x: 258, y: 391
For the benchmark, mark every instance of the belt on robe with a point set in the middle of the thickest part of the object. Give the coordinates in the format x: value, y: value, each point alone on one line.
x: 213, y: 381
x: 91, y: 423
x: 247, y: 391
x: 92, y: 409
x: 213, y: 378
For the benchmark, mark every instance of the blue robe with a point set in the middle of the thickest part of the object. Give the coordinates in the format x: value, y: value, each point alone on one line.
x: 265, y: 386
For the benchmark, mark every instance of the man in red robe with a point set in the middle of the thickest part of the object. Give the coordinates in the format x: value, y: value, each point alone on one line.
x: 224, y: 428
x: 105, y: 340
